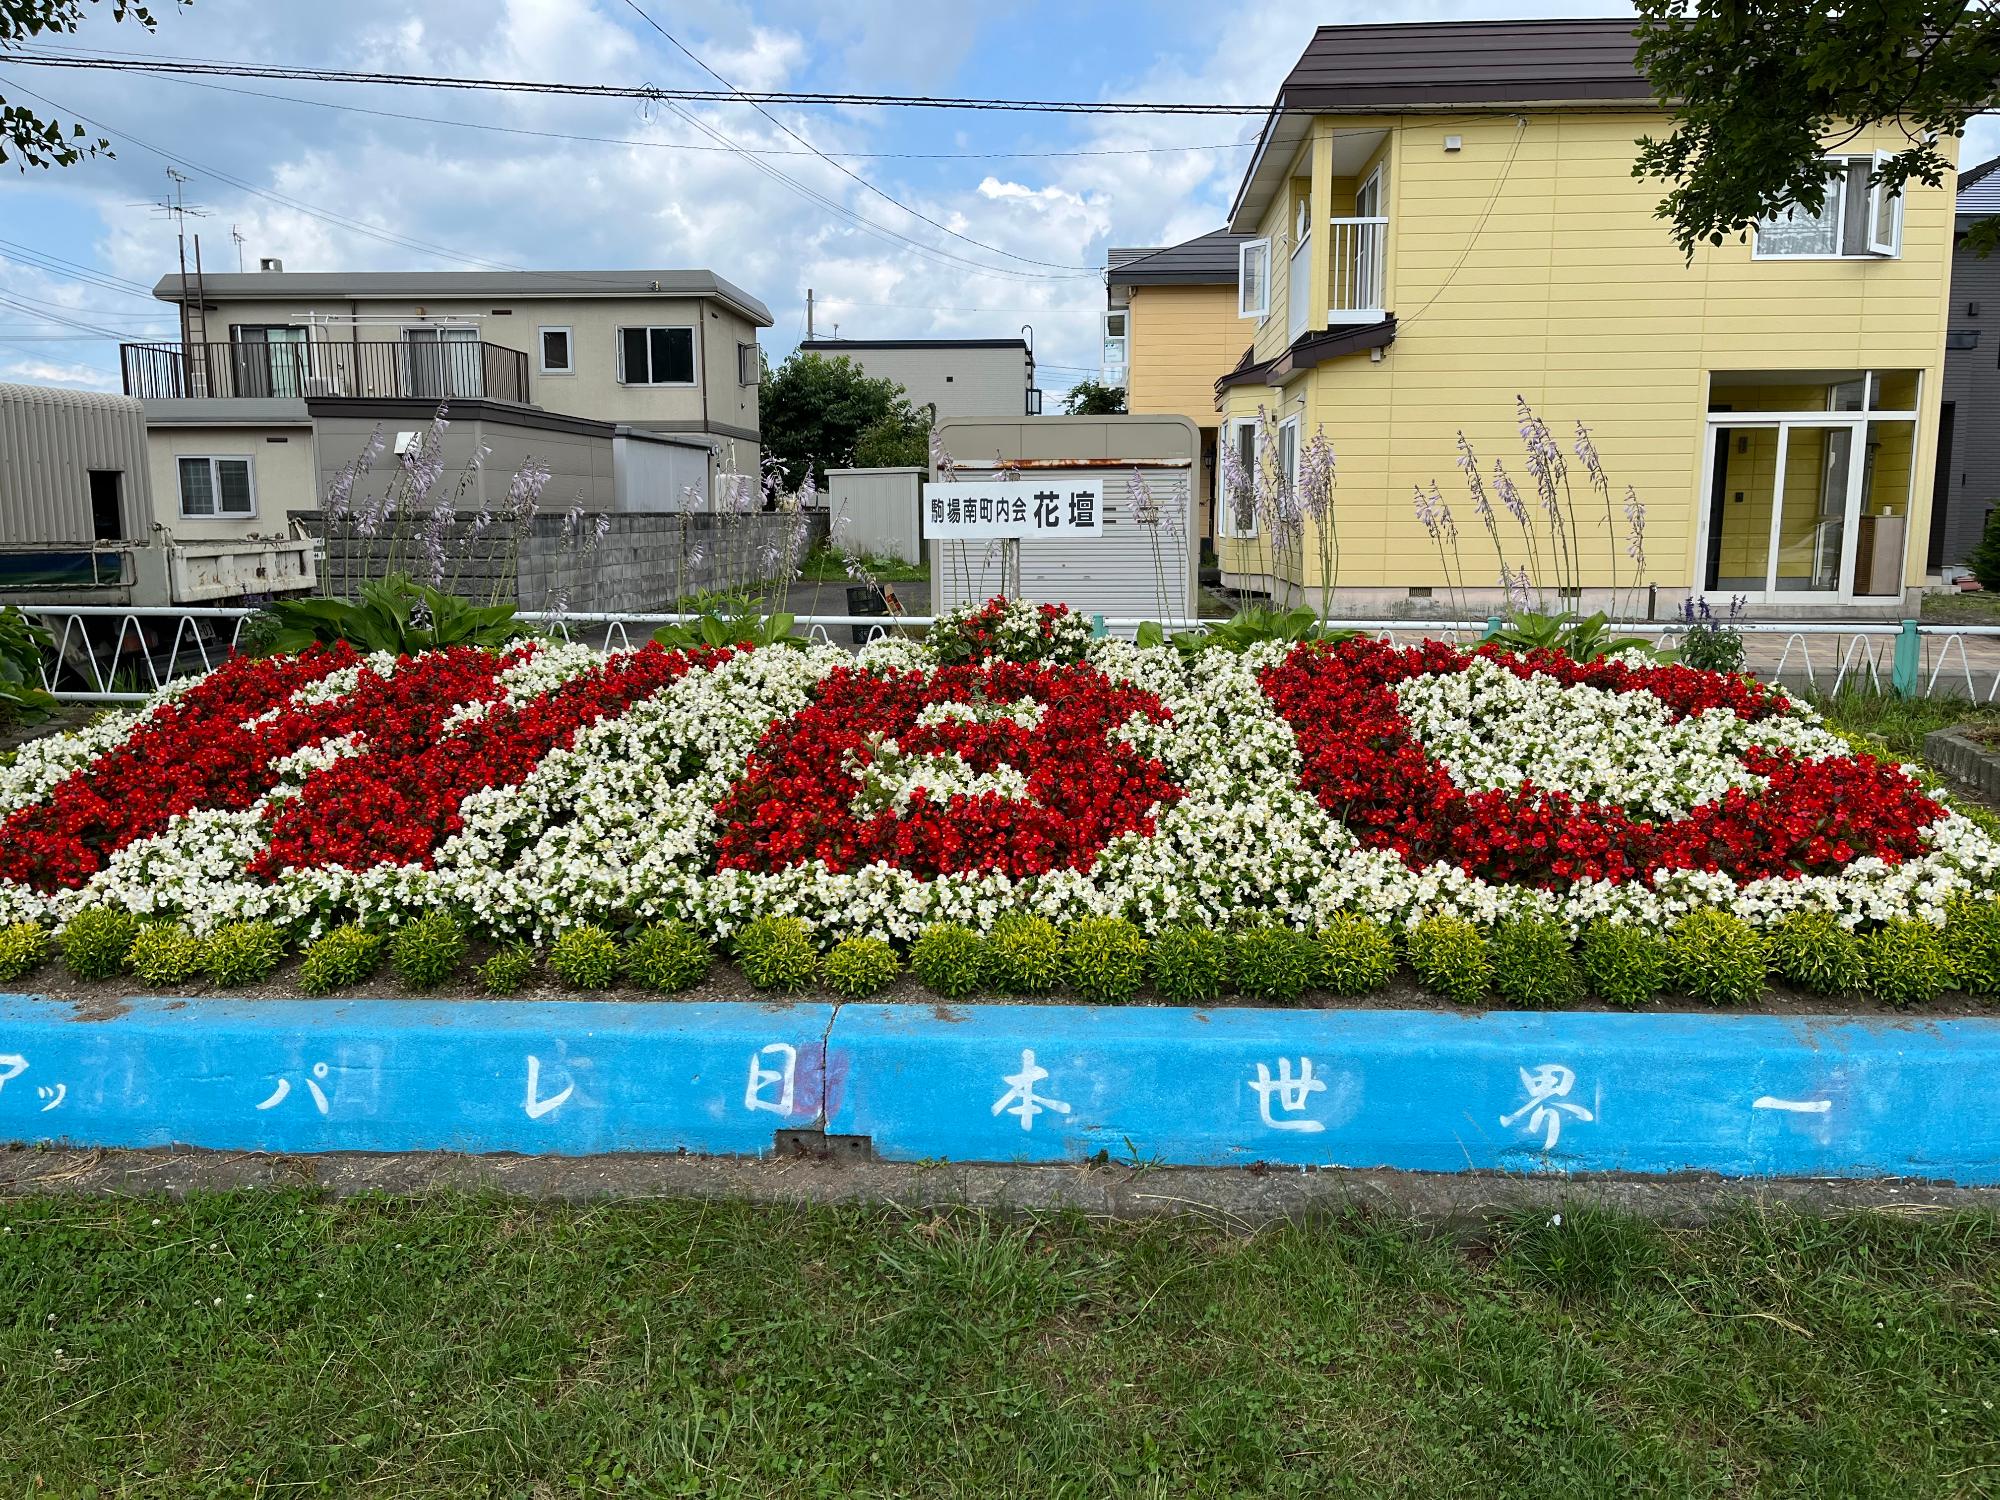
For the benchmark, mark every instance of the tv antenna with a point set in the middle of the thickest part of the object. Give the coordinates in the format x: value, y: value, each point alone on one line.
x: 237, y: 235
x: 194, y: 323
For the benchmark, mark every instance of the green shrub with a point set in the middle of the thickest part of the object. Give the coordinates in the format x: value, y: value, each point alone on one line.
x: 243, y: 953
x: 1104, y: 959
x: 1024, y: 954
x: 1622, y: 965
x: 427, y: 950
x: 1356, y: 955
x: 1274, y: 963
x: 1533, y: 966
x: 165, y: 953
x: 860, y: 966
x: 97, y: 943
x: 1812, y: 951
x: 950, y: 959
x: 585, y: 958
x: 345, y: 956
x: 1190, y: 964
x: 1972, y: 942
x: 23, y: 946
x: 1716, y: 957
x: 776, y: 953
x: 1906, y: 962
x: 508, y: 971
x: 670, y: 956
x: 1450, y: 958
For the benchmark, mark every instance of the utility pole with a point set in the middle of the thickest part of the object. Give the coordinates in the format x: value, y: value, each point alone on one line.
x: 809, y: 313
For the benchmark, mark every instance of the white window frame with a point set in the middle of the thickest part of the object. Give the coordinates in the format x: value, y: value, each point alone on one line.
x: 1292, y: 428
x: 1124, y: 341
x: 249, y: 462
x: 1876, y: 249
x: 747, y: 360
x: 1260, y: 247
x: 1225, y: 503
x: 542, y: 349
x: 693, y: 331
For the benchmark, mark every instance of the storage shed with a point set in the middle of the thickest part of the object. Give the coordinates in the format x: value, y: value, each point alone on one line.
x: 72, y: 468
x: 1142, y: 566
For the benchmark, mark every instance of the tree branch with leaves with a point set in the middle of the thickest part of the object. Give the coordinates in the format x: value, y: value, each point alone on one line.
x: 26, y: 138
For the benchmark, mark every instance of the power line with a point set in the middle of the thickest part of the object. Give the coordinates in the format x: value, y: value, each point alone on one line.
x: 615, y: 140
x: 44, y: 59
x: 846, y: 171
x: 69, y: 270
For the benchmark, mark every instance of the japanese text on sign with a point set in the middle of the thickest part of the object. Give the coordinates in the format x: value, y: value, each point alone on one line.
x: 1012, y: 509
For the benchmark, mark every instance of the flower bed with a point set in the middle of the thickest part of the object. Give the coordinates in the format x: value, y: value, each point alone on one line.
x: 546, y: 788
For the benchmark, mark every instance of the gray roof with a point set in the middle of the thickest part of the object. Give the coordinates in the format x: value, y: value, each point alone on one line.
x: 1206, y: 260
x: 265, y: 285
x: 1979, y: 191
x: 1433, y: 64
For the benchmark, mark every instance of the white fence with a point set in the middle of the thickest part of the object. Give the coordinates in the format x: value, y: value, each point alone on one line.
x: 109, y: 654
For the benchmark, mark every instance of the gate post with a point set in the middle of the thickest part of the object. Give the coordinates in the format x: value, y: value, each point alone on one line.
x: 1909, y: 656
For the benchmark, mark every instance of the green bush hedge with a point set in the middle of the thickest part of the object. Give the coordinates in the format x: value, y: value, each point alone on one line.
x: 1190, y: 965
x: 860, y: 966
x: 1104, y: 959
x: 1356, y: 956
x: 585, y: 958
x: 97, y: 944
x: 165, y: 953
x: 1533, y: 966
x: 1622, y: 965
x: 508, y: 971
x: 1906, y: 962
x: 1450, y: 957
x: 345, y: 956
x: 1274, y: 963
x: 1716, y: 957
x: 668, y: 957
x: 1972, y: 943
x: 23, y: 947
x: 776, y: 953
x: 950, y: 959
x: 427, y: 950
x: 1024, y: 954
x: 1813, y: 952
x: 243, y: 953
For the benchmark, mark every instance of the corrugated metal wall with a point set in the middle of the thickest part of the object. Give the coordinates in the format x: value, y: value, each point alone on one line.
x: 1132, y: 571
x: 50, y: 440
x: 880, y: 510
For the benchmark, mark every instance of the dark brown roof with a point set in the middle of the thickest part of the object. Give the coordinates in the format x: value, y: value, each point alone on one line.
x: 1206, y: 260
x: 1429, y: 64
x: 1308, y: 350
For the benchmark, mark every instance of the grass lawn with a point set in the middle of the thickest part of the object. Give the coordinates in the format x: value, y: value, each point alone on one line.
x: 277, y: 1343
x: 1961, y: 609
x: 829, y: 565
x: 1900, y: 723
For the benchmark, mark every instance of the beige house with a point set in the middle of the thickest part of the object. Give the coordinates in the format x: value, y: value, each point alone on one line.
x: 950, y: 377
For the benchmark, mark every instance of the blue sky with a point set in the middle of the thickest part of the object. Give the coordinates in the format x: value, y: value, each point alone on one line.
x: 331, y: 189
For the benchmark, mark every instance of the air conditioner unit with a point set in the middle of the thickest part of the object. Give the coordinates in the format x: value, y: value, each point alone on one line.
x: 323, y: 385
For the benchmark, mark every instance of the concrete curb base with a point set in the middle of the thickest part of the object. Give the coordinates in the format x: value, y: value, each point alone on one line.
x: 1744, y: 1097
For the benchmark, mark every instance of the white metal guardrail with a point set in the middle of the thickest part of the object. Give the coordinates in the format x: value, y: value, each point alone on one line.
x: 116, y: 654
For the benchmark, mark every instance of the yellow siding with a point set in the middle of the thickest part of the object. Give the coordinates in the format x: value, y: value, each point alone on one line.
x: 1531, y: 263
x: 1184, y: 339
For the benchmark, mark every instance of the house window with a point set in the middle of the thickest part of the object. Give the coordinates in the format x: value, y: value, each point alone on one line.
x: 1962, y: 338
x: 216, y: 487
x: 749, y: 368
x: 1239, y: 506
x: 656, y: 356
x: 1253, y: 279
x: 1117, y: 345
x: 558, y: 353
x: 1858, y: 220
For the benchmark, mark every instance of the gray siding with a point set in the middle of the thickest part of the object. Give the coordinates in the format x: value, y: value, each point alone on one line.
x: 581, y: 471
x: 50, y: 440
x: 877, y: 510
x: 1972, y: 386
x: 959, y: 382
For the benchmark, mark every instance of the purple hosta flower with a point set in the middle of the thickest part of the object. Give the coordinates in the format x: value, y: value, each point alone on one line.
x: 481, y: 524
x: 1239, y: 489
x: 479, y: 456
x: 941, y: 460
x: 602, y: 529
x: 1545, y: 460
x: 572, y: 526
x: 420, y: 614
x: 432, y: 543
x: 767, y: 555
x: 368, y: 516
x: 774, y: 481
x: 1516, y: 585
x: 1635, y: 527
x: 1316, y: 477
x: 809, y: 490
x: 1586, y: 451
x: 1427, y: 508
x: 697, y: 555
x: 1145, y: 509
x: 558, y: 605
x: 524, y: 491
x: 1468, y: 463
x: 1509, y: 493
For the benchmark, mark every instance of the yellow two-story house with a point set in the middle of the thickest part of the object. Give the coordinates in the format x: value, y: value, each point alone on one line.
x: 1442, y: 218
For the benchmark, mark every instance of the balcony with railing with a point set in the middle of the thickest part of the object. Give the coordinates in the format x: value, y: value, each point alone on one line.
x: 1356, y: 280
x: 421, y: 369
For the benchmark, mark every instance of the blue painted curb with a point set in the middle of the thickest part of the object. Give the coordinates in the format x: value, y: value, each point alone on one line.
x: 1423, y: 1090
x: 571, y: 1079
x: 1740, y: 1096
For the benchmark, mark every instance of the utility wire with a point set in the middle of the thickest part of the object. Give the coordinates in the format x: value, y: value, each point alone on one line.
x: 844, y: 170
x: 44, y: 59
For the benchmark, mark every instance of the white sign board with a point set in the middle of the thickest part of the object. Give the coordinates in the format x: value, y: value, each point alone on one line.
x: 1013, y: 509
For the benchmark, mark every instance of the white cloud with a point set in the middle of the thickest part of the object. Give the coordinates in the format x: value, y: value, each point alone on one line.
x: 42, y: 372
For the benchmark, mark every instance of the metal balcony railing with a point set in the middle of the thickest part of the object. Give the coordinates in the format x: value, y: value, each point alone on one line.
x: 412, y: 369
x: 1357, y: 261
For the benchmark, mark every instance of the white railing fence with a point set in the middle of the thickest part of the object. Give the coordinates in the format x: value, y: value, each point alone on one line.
x: 1357, y: 260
